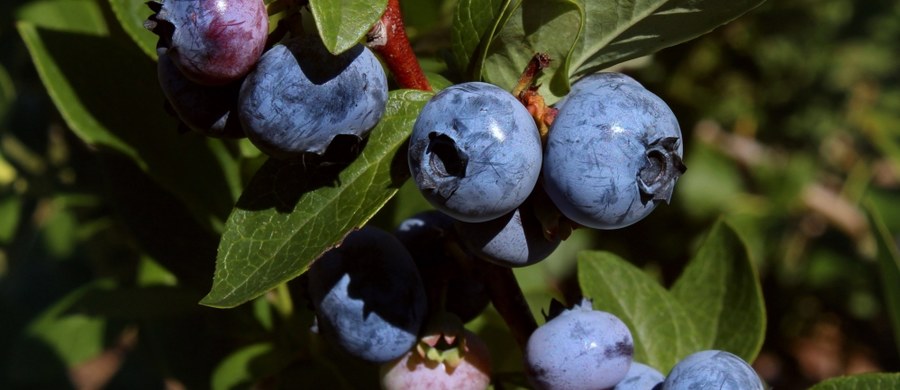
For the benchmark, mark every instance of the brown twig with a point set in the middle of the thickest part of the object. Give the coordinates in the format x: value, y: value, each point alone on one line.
x: 388, y: 39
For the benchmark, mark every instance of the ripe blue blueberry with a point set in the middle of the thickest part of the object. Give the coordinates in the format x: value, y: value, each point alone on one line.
x: 213, y: 42
x: 446, y: 270
x: 209, y: 110
x: 368, y: 296
x: 513, y: 240
x: 613, y: 152
x: 640, y: 377
x: 581, y: 348
x: 712, y: 369
x: 475, y: 152
x: 300, y: 97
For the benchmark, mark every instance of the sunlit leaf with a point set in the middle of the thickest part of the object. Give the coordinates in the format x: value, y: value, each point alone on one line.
x: 343, y: 23
x: 872, y: 381
x: 661, y: 326
x: 721, y: 291
x: 290, y: 214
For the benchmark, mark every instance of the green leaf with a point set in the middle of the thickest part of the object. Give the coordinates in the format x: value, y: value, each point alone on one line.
x: 7, y: 95
x: 721, y: 291
x: 662, y: 328
x: 108, y: 94
x: 473, y: 26
x: 550, y: 27
x: 342, y: 23
x: 585, y: 36
x: 872, y: 381
x: 131, y: 15
x: 889, y: 269
x: 247, y: 365
x: 290, y: 214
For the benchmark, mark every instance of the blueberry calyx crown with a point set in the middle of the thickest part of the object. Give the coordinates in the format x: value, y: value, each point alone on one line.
x: 662, y: 167
x: 447, y: 161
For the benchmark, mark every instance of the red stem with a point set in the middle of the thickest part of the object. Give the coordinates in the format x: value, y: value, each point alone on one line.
x: 388, y: 39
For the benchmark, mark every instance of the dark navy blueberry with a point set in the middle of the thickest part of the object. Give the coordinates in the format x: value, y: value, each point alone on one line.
x: 446, y: 270
x: 640, y: 377
x: 475, y: 152
x: 613, y: 152
x: 581, y: 348
x: 209, y: 110
x: 511, y: 240
x: 213, y: 42
x: 368, y: 296
x: 300, y: 97
x: 712, y: 369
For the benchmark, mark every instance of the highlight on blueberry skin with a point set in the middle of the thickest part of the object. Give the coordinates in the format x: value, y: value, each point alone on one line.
x: 513, y: 240
x: 368, y: 297
x: 712, y: 369
x: 300, y: 97
x: 475, y: 152
x: 581, y: 348
x: 614, y: 152
x: 208, y: 110
x: 213, y: 42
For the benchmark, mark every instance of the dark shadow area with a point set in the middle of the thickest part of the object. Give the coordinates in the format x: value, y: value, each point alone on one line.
x: 117, y: 84
x: 173, y: 237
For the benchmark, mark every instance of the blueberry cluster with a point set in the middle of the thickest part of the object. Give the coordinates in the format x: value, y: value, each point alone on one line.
x: 399, y: 300
x: 291, y: 99
x: 612, y: 153
x: 583, y: 348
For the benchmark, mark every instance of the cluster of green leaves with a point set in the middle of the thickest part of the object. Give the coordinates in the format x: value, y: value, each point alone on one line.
x: 180, y: 200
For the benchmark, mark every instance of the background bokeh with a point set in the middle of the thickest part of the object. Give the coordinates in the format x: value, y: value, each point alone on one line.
x: 791, y: 122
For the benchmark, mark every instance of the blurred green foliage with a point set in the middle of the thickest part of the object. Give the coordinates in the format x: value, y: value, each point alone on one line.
x: 791, y: 116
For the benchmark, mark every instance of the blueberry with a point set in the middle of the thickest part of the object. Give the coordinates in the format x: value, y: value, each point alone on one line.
x: 581, y: 348
x: 475, y: 152
x: 613, y: 152
x: 513, y: 240
x: 300, y: 97
x: 368, y: 296
x: 213, y: 42
x: 209, y: 110
x: 712, y: 369
x: 446, y: 271
x: 640, y: 377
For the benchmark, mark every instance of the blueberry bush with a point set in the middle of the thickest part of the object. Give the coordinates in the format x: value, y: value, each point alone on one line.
x: 449, y: 194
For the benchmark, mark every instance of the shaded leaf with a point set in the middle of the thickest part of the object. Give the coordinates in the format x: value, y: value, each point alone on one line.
x: 474, y: 25
x: 247, y: 365
x: 88, y: 74
x: 585, y: 36
x: 290, y: 214
x: 889, y: 270
x: 131, y: 15
x: 662, y: 328
x: 873, y: 381
x: 721, y: 291
x: 343, y: 23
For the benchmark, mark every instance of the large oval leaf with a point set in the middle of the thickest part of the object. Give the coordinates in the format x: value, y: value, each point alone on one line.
x: 662, y: 328
x: 342, y: 23
x: 585, y: 36
x: 889, y: 268
x: 721, y: 291
x: 290, y: 214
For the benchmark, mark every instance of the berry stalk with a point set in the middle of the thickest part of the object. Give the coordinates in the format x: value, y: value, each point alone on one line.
x: 507, y: 297
x: 388, y: 39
